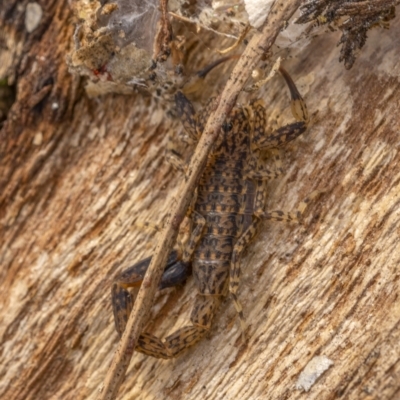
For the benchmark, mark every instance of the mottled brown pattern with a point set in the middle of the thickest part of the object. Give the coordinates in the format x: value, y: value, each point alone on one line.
x: 229, y: 205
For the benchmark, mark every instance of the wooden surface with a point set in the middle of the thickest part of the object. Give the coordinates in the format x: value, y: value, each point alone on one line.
x: 77, y: 173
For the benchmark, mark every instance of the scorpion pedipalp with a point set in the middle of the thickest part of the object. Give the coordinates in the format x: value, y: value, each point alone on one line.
x: 175, y: 273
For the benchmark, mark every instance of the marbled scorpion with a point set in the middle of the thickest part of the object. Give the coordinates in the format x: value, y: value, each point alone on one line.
x: 228, y: 207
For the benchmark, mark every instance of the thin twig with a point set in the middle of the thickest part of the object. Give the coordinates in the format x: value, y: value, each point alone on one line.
x: 164, y: 35
x: 280, y: 13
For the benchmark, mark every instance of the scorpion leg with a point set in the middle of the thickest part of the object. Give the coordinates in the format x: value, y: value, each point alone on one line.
x: 189, y: 121
x: 187, y: 114
x: 241, y: 244
x: 255, y: 171
x: 247, y: 236
x: 288, y: 216
x: 234, y: 273
x: 175, y: 273
x: 188, y: 117
x: 193, y: 123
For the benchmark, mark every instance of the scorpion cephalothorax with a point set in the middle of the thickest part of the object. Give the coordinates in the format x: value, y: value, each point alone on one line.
x: 229, y: 205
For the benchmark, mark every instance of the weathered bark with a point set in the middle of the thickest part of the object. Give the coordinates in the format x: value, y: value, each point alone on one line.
x: 76, y: 175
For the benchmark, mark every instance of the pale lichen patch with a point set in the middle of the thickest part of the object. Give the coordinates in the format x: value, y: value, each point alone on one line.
x: 33, y: 16
x: 313, y: 370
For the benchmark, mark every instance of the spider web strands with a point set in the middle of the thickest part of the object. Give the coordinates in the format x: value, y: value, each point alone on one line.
x: 280, y: 13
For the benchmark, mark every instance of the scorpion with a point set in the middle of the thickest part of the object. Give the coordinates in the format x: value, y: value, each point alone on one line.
x: 224, y: 216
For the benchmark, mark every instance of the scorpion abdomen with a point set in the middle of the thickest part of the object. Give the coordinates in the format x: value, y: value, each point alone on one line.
x: 225, y: 198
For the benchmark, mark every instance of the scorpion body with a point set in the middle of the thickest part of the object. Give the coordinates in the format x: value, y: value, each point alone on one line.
x: 229, y: 205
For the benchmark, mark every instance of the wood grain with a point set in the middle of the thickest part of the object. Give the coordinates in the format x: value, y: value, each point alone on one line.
x: 75, y: 177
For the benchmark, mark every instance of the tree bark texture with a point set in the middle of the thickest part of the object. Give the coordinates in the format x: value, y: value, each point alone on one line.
x: 78, y: 174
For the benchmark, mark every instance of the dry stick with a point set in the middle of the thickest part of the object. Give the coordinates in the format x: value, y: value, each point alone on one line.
x: 280, y: 13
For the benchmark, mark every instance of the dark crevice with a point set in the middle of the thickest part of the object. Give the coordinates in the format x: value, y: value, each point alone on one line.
x: 7, y: 99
